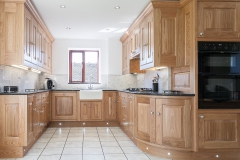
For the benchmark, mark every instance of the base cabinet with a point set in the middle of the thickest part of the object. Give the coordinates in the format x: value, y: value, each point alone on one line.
x: 90, y: 110
x: 110, y: 105
x: 64, y: 106
x: 218, y: 130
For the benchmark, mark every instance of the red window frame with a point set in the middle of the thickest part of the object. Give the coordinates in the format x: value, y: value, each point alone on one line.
x: 83, y: 68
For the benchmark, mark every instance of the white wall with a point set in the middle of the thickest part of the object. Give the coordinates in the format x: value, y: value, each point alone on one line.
x: 115, y: 57
x: 60, y: 53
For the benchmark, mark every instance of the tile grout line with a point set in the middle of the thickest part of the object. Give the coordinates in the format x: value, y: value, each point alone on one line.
x: 119, y: 144
x: 65, y: 143
x: 83, y: 140
x: 101, y: 144
x: 47, y: 142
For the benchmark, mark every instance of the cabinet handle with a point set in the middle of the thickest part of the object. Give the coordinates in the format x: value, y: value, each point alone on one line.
x: 202, y: 116
x: 151, y: 112
x: 158, y: 113
x: 30, y: 104
x: 201, y: 34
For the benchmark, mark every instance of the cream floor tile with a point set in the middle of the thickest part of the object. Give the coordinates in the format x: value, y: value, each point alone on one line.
x: 76, y: 131
x: 92, y: 150
x: 95, y: 134
x: 102, y: 128
x: 112, y: 139
x: 52, y: 151
x: 43, y: 139
x: 51, y: 157
x: 55, y: 145
x: 40, y: 145
x: 59, y: 139
x: 75, y: 134
x: 132, y: 150
x: 92, y: 144
x: 125, y: 138
x: 112, y: 150
x: 46, y: 135
x: 73, y: 144
x: 93, y: 157
x: 115, y: 157
x: 119, y: 134
x: 109, y: 144
x: 91, y: 139
x: 137, y: 157
x: 105, y: 134
x: 61, y: 134
x: 28, y: 158
x: 71, y: 157
x: 126, y: 143
x: 156, y: 158
x: 7, y: 158
x: 76, y: 128
x: 62, y: 130
x: 34, y: 152
x: 74, y: 139
x: 72, y: 151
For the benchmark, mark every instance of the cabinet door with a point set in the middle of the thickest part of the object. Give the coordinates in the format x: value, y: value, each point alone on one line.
x: 64, y: 106
x: 36, y: 114
x: 85, y: 110
x: 173, y: 122
x: 30, y: 111
x: 218, y: 19
x: 147, y: 53
x: 27, y: 35
x: 96, y: 110
x: 142, y: 121
x: 110, y: 105
x: 34, y: 41
x: 219, y: 131
x: 130, y: 113
x: 12, y: 120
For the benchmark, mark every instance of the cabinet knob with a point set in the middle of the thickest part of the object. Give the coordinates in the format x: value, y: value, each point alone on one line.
x: 151, y: 112
x: 158, y: 113
x: 201, y: 34
x: 202, y: 116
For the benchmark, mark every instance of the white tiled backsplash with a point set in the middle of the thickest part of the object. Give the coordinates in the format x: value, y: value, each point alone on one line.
x: 10, y: 76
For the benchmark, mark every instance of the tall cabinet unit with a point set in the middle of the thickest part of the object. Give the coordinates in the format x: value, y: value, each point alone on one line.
x: 110, y: 105
x: 23, y: 40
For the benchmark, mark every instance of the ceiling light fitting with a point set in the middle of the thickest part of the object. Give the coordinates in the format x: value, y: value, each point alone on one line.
x: 117, y: 7
x: 63, y: 6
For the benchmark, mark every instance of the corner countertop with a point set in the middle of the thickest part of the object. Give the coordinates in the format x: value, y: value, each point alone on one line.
x: 159, y: 93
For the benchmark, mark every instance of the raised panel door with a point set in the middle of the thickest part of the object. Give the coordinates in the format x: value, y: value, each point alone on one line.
x: 34, y: 41
x: 130, y: 113
x: 12, y: 120
x: 64, y: 106
x: 30, y: 111
x: 27, y: 35
x: 96, y: 110
x: 85, y: 111
x: 218, y: 19
x: 175, y: 116
x: 219, y: 131
x: 110, y: 105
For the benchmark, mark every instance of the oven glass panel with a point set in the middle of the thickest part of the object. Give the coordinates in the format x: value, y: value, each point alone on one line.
x: 219, y: 92
x: 221, y: 63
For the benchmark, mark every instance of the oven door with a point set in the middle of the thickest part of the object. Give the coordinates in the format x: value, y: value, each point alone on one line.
x: 219, y: 62
x: 219, y: 92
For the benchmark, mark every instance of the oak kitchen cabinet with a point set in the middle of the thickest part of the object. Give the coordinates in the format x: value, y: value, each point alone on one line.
x: 218, y: 130
x: 110, y: 105
x: 91, y: 110
x: 218, y: 19
x: 172, y: 117
x: 64, y: 107
x: 22, y: 43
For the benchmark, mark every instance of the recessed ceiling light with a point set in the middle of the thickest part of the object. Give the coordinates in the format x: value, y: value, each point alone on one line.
x: 108, y: 30
x: 117, y: 7
x: 68, y: 28
x: 63, y: 6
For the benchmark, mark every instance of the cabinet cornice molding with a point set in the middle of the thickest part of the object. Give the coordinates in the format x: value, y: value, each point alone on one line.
x: 36, y: 15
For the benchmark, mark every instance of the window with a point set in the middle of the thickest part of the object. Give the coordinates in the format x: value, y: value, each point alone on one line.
x: 83, y: 66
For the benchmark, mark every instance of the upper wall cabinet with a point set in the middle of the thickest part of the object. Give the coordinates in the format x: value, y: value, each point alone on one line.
x: 25, y: 40
x: 218, y: 19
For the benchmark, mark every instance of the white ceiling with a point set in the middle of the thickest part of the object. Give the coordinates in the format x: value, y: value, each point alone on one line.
x: 87, y: 17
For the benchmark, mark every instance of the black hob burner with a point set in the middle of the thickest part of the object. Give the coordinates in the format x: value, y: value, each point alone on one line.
x: 171, y: 92
x: 139, y: 89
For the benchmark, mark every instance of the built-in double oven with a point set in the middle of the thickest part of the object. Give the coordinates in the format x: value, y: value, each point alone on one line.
x: 218, y: 75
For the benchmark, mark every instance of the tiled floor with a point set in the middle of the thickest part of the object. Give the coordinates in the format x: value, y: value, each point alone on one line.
x: 89, y: 143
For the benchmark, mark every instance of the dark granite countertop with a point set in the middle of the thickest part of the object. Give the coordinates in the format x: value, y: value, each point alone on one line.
x: 158, y: 93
